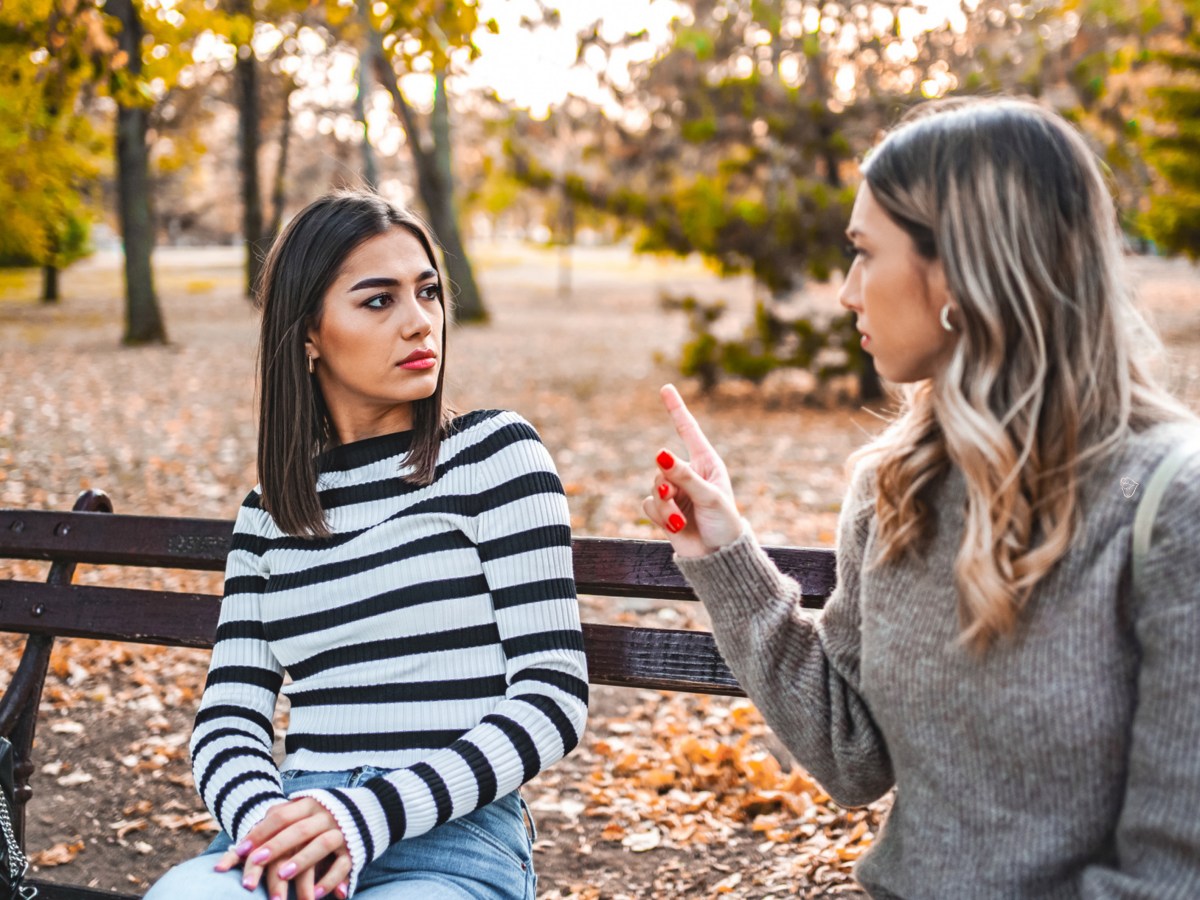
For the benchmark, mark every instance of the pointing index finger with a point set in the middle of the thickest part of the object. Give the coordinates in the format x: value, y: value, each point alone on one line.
x: 685, y: 423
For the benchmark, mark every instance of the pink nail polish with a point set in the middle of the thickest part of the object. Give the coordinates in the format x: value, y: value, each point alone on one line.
x: 248, y: 884
x: 243, y: 848
x: 260, y: 856
x: 318, y: 892
x: 286, y: 872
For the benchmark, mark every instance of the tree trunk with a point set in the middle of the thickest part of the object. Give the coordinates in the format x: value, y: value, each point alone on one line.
x: 438, y: 195
x: 245, y: 80
x: 434, y: 184
x: 143, y: 321
x: 279, y: 187
x: 566, y: 241
x: 366, y: 65
x: 49, y: 284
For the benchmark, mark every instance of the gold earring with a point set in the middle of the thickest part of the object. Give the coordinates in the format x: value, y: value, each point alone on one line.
x: 312, y: 365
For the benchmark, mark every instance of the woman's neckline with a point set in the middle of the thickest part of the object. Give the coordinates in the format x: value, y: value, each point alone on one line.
x: 364, y: 451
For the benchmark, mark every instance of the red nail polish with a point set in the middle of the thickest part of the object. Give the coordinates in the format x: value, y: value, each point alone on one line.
x: 675, y: 523
x: 665, y: 459
x: 663, y: 490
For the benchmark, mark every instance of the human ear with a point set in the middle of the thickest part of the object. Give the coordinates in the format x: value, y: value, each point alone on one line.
x: 937, y: 290
x: 312, y: 341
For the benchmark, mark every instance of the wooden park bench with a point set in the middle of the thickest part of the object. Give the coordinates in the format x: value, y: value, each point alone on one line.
x: 637, y: 657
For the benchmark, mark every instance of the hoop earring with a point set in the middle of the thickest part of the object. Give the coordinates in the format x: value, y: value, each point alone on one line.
x: 312, y: 365
x: 946, y: 317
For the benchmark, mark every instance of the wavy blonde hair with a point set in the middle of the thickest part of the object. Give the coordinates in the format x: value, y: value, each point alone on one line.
x: 1050, y: 370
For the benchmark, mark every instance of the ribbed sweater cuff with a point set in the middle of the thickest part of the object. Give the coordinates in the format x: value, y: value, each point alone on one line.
x: 345, y: 822
x: 256, y: 815
x: 736, y: 580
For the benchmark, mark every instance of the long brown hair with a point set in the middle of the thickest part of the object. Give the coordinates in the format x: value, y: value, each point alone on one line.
x: 294, y: 422
x: 1051, y: 372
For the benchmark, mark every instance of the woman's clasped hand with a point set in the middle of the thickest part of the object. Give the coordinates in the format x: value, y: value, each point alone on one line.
x: 298, y: 842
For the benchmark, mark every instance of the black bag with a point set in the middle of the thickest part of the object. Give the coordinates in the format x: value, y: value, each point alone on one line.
x: 13, y: 864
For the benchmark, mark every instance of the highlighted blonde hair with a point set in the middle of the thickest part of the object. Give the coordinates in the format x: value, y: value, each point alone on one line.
x: 1048, y: 374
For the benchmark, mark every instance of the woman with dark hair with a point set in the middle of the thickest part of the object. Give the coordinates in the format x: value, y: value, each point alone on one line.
x: 985, y: 650
x: 411, y: 574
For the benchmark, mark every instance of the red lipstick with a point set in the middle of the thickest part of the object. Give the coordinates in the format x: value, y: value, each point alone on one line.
x: 419, y: 359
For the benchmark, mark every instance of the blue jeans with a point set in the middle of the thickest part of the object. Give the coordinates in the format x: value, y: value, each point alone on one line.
x: 486, y: 855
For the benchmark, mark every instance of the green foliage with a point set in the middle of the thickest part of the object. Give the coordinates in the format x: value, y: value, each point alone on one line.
x: 742, y: 136
x: 768, y: 343
x: 72, y: 242
x: 1172, y: 219
x: 425, y: 35
x: 49, y: 152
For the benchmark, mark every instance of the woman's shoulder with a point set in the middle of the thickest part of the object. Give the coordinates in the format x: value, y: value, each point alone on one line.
x: 253, y: 499
x: 1141, y: 453
x: 1153, y: 446
x: 859, y: 499
x: 488, y: 422
x: 253, y: 523
x: 495, y: 445
x: 1170, y: 565
x: 1112, y: 487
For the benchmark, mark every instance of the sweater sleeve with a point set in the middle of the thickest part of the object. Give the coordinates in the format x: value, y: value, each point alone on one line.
x: 232, y: 764
x: 523, y: 536
x: 1158, y: 831
x: 801, y: 671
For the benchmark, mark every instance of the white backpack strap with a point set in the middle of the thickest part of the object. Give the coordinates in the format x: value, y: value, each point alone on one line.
x: 1143, y: 522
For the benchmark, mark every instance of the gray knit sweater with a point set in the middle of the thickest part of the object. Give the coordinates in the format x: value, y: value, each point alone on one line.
x: 1064, y: 763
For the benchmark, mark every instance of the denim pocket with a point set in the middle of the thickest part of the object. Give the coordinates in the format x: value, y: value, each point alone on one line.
x: 502, y: 825
x: 530, y: 822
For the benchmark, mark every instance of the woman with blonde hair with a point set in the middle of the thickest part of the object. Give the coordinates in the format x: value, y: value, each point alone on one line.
x: 986, y: 650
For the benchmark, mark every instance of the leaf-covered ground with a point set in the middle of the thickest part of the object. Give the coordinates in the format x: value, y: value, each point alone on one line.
x: 670, y: 795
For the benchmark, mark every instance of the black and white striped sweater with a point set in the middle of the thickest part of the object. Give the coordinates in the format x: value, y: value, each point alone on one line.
x: 435, y: 634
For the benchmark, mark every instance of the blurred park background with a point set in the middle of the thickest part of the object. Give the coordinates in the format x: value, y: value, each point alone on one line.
x: 629, y: 192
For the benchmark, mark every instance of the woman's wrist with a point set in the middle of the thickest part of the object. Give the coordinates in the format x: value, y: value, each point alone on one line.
x: 715, y: 543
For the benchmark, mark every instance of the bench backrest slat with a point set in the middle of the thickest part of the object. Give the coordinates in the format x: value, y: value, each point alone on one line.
x: 101, y: 538
x: 657, y: 658
x: 644, y: 657
x: 170, y: 618
x: 603, y: 566
x: 615, y: 567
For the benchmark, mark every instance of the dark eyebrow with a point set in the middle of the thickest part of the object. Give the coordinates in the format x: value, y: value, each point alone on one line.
x: 375, y: 283
x: 379, y: 281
